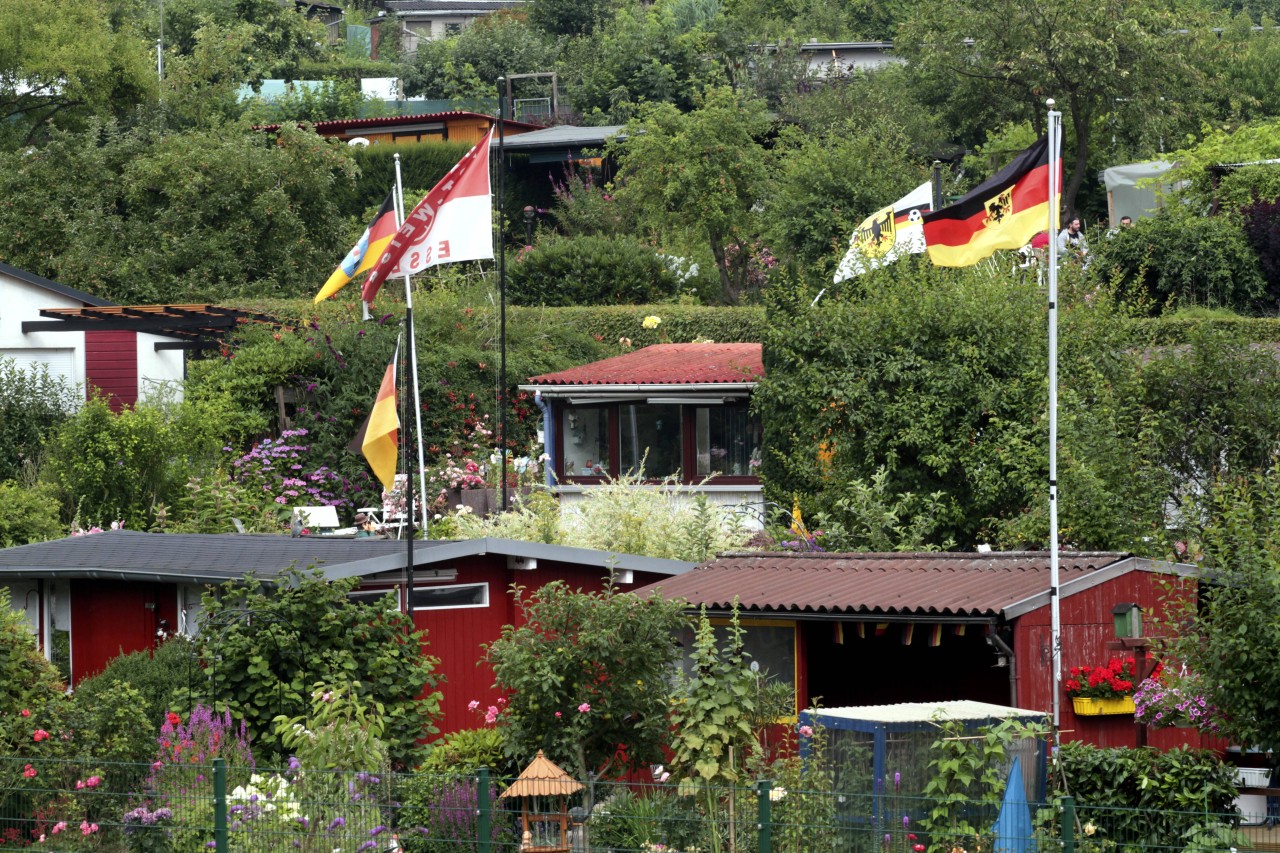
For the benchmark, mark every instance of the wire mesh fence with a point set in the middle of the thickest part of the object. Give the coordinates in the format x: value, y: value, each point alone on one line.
x: 187, y: 808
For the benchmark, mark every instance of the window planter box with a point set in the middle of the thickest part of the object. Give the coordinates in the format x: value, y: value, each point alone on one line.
x: 1089, y: 707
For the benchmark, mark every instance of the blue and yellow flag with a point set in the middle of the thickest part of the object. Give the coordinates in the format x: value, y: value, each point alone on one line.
x: 366, y: 252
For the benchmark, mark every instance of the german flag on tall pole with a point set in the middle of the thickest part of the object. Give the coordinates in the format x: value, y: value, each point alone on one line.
x: 1003, y: 212
x: 365, y: 253
x: 381, y: 444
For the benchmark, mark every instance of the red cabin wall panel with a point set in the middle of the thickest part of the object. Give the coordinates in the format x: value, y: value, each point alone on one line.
x: 111, y: 366
x: 1087, y: 626
x: 111, y: 618
x: 457, y: 637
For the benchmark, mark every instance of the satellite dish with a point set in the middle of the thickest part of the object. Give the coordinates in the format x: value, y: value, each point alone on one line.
x: 359, y: 141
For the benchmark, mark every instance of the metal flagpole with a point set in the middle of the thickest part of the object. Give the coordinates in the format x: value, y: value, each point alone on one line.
x: 412, y: 357
x: 502, y: 291
x: 1055, y: 638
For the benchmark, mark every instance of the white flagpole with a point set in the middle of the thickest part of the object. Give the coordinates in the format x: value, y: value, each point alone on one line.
x: 413, y: 366
x: 1055, y: 639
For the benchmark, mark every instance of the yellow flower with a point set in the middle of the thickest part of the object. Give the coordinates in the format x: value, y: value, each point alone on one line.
x: 651, y: 322
x: 1089, y: 828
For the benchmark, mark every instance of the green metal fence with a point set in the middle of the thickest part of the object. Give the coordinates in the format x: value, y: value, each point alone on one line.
x: 188, y: 808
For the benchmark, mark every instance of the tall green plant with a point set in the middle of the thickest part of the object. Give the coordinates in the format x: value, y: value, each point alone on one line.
x: 33, y: 403
x: 262, y: 652
x: 586, y: 673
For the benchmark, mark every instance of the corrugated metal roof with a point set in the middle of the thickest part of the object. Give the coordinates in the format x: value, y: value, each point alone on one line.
x: 542, y: 778
x: 453, y: 6
x: 918, y: 712
x: 955, y: 585
x: 667, y: 364
x: 336, y: 125
x: 566, y: 135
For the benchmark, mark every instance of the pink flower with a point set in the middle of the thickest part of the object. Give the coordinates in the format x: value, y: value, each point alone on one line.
x: 59, y: 826
x: 79, y: 784
x: 24, y: 712
x: 39, y: 735
x: 584, y: 708
x: 472, y: 705
x: 93, y: 781
x: 559, y: 715
x: 806, y: 731
x: 28, y: 772
x: 87, y: 828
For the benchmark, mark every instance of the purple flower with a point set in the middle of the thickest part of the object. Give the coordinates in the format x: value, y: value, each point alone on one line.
x: 897, y: 781
x: 337, y: 823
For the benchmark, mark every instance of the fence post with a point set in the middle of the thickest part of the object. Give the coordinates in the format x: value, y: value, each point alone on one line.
x: 484, y: 816
x: 1068, y: 824
x: 220, y: 805
x: 764, y: 817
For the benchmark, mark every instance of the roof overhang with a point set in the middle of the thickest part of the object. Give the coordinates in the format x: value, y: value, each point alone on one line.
x: 1099, y: 577
x: 615, y: 393
x: 193, y: 326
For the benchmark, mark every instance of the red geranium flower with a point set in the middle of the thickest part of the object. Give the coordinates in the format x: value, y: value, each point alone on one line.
x: 174, y: 719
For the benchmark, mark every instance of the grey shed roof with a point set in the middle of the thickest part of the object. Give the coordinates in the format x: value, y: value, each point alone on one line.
x: 564, y: 136
x: 209, y: 558
x: 49, y: 284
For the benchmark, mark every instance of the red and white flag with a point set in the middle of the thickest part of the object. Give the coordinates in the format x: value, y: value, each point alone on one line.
x: 454, y: 222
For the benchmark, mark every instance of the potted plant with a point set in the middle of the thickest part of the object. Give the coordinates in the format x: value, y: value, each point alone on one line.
x: 1105, y: 689
x: 1174, y: 699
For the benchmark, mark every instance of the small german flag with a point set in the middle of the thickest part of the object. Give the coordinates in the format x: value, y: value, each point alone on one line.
x: 1003, y: 212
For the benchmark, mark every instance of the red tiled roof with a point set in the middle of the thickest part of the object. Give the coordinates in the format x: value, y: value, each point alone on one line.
x: 865, y: 584
x: 667, y: 364
x: 323, y: 127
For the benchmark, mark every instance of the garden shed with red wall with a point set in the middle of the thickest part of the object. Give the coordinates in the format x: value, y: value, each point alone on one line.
x: 878, y: 629
x: 90, y: 598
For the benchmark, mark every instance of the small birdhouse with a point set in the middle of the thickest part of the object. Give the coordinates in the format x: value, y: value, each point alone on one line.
x: 543, y: 790
x: 1128, y: 621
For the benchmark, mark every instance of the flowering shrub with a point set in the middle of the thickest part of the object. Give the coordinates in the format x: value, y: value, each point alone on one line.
x: 1168, y: 700
x: 1112, y: 681
x: 277, y: 469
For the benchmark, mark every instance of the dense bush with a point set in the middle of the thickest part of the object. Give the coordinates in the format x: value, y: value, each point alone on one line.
x: 32, y: 403
x: 28, y: 514
x: 469, y: 749
x: 590, y: 270
x: 303, y: 633
x: 166, y: 679
x: 1178, y: 257
x: 33, y: 692
x: 1146, y: 793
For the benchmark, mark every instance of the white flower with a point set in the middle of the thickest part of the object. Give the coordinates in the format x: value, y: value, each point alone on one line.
x: 776, y: 794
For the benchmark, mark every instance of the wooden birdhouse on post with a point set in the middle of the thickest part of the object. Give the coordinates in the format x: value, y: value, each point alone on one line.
x: 543, y: 790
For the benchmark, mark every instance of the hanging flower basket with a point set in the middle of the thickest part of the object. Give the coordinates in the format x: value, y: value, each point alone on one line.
x: 1087, y: 706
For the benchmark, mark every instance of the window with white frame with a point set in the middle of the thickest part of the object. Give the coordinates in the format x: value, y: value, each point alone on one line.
x: 451, y: 597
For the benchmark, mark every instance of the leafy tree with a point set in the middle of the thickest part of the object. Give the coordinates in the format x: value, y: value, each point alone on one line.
x: 1096, y: 57
x: 1228, y: 637
x: 829, y: 181
x: 263, y: 651
x: 140, y: 215
x: 31, y: 683
x: 644, y: 55
x: 570, y: 17
x: 695, y: 178
x: 60, y: 65
x: 469, y: 64
x: 1259, y: 140
x: 586, y: 674
x: 943, y: 388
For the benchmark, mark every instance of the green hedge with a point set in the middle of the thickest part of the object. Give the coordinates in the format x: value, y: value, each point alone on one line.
x: 593, y: 270
x: 1179, y: 329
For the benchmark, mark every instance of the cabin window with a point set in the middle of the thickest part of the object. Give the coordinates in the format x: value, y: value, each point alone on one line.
x: 586, y: 441
x: 727, y: 441
x: 451, y: 597
x: 651, y: 439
